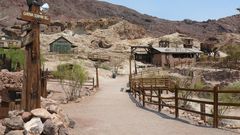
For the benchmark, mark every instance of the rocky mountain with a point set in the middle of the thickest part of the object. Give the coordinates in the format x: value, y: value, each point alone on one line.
x: 72, y: 10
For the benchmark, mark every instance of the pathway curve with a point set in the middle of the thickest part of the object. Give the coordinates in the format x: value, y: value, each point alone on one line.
x: 112, y: 112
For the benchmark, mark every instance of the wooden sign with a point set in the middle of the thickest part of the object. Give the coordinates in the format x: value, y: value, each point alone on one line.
x: 27, y: 39
x: 31, y: 17
x: 26, y: 27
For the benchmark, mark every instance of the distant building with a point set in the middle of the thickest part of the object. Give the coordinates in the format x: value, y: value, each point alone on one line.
x: 61, y: 45
x: 54, y: 27
x: 171, y: 57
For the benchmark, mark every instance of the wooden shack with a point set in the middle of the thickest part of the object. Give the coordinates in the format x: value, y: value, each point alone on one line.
x: 54, y: 27
x: 62, y: 46
x: 171, y: 57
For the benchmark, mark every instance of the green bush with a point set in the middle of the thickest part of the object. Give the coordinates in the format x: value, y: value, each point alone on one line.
x: 72, y: 77
x: 16, y: 56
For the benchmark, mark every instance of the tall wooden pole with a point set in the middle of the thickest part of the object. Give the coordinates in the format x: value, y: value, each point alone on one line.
x: 32, y: 76
x: 97, y: 79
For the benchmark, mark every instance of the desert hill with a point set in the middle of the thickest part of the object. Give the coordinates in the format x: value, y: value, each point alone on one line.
x: 73, y: 10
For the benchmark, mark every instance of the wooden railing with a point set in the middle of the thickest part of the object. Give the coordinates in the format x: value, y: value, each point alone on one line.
x: 149, y: 90
x: 89, y: 83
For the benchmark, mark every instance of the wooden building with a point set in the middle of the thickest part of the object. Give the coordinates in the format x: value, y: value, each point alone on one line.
x: 62, y: 45
x: 54, y: 27
x: 171, y: 57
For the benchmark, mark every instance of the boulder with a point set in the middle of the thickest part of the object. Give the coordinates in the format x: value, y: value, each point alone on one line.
x: 50, y: 128
x: 26, y: 116
x: 64, y: 118
x: 45, y: 103
x: 63, y: 131
x: 2, y: 129
x: 103, y: 44
x: 57, y: 120
x: 14, y: 113
x: 34, y: 126
x: 42, y: 113
x: 14, y: 123
x: 71, y: 123
x: 15, y: 132
x: 53, y: 109
x: 201, y: 122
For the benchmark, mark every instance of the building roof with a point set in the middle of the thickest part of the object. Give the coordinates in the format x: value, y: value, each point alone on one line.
x: 177, y: 50
x: 64, y: 39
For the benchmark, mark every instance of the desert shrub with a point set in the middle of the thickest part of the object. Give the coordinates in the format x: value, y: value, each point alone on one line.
x: 232, y: 61
x: 72, y: 77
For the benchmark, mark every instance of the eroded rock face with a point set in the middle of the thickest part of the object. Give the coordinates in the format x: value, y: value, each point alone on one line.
x: 34, y: 126
x: 14, y: 123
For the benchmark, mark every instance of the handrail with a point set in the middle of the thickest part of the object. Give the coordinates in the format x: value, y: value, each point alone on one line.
x: 149, y: 88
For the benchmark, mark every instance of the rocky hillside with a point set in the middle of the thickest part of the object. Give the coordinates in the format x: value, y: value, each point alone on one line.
x: 72, y: 10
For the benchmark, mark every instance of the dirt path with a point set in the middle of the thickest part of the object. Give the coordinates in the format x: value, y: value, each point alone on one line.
x: 112, y: 112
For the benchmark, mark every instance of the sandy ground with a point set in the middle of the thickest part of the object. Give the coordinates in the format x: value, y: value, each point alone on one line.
x: 112, y: 112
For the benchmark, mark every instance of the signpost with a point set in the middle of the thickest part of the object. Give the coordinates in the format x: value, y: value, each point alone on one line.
x: 28, y: 39
x: 32, y: 71
x: 26, y: 27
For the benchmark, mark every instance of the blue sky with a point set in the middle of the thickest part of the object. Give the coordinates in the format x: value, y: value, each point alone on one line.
x: 199, y: 10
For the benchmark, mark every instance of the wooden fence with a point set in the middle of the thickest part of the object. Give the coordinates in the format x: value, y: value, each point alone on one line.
x: 149, y: 90
x: 89, y: 83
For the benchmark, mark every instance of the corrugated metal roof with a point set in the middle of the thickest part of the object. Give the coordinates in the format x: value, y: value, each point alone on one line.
x: 176, y: 50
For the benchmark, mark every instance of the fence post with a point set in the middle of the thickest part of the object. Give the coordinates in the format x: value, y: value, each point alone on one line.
x: 215, y: 106
x: 203, y: 110
x: 140, y: 89
x: 151, y: 91
x: 93, y: 82
x: 159, y: 101
x: 176, y: 101
x: 143, y: 94
x: 134, y: 89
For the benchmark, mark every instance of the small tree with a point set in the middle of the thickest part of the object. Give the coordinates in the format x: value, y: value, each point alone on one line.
x: 72, y: 77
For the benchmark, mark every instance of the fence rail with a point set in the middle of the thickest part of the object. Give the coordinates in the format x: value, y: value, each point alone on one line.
x: 149, y: 90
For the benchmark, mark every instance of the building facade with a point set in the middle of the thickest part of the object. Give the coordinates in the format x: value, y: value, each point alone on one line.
x: 62, y: 46
x: 171, y: 57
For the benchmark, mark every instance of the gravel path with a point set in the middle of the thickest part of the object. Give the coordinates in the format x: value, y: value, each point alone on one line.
x: 112, y: 112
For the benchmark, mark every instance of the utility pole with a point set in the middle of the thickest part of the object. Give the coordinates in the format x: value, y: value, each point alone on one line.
x: 31, y: 94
